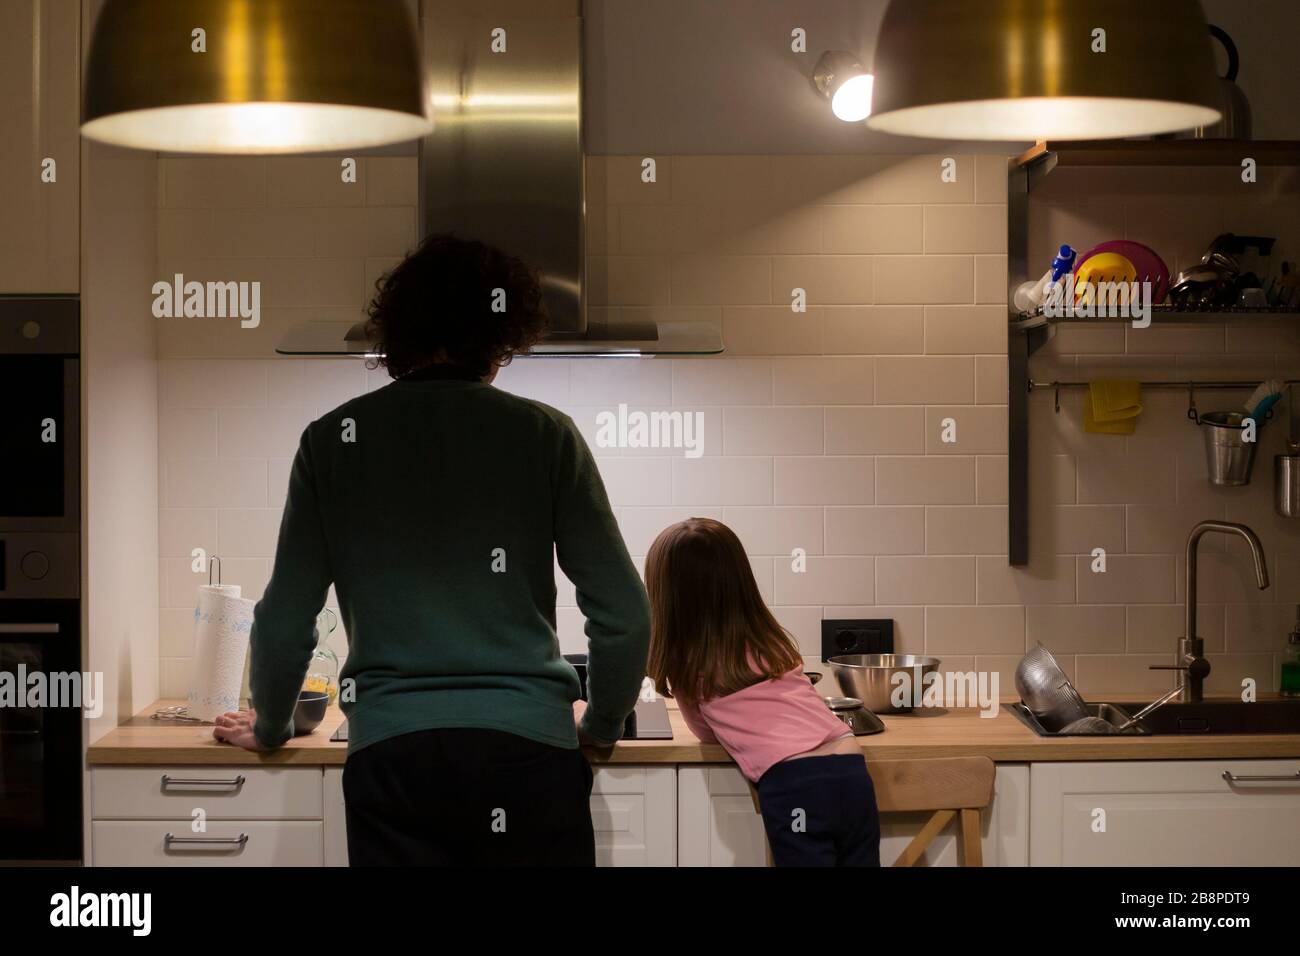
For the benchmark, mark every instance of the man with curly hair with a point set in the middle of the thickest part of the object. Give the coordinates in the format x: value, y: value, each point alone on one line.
x: 436, y: 506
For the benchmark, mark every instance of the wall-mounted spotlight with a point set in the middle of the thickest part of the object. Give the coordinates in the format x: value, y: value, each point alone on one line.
x: 841, y: 78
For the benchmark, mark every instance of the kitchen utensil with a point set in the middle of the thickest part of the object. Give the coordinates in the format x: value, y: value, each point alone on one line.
x: 813, y: 676
x: 1102, y: 267
x: 1154, y: 705
x: 1286, y: 483
x: 870, y: 678
x: 1146, y: 261
x: 1047, y: 692
x: 852, y: 714
x: 1236, y: 120
x: 1089, y: 725
x: 309, y: 711
x: 1228, y: 457
x: 1286, y: 468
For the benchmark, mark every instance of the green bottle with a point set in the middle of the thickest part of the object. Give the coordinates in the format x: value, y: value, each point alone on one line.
x: 1289, y: 686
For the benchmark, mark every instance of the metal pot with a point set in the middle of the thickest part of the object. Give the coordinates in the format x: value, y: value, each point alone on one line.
x: 870, y: 677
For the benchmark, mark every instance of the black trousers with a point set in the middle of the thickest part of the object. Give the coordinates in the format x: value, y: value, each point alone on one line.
x: 468, y: 797
x: 821, y: 811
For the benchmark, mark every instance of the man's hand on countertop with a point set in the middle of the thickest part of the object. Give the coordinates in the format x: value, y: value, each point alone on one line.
x: 236, y: 728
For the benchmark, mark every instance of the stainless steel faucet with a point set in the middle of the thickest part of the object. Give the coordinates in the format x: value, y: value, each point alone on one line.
x: 1191, y: 649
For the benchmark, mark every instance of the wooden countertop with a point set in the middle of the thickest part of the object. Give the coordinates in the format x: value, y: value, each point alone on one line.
x: 937, y: 733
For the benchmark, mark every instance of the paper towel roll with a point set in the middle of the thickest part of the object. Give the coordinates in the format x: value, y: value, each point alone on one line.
x: 222, y: 622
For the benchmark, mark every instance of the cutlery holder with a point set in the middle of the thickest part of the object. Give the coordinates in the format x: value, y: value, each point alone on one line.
x: 1228, y: 458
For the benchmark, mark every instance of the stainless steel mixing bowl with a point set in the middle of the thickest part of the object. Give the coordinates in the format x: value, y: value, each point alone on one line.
x: 870, y: 678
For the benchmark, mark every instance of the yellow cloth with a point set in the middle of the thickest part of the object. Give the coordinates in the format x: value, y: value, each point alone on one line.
x: 1112, y: 406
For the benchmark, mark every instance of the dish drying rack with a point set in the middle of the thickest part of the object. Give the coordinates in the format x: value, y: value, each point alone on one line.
x: 1027, y: 332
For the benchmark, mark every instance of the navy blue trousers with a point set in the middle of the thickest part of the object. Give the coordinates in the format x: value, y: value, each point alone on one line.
x: 821, y: 811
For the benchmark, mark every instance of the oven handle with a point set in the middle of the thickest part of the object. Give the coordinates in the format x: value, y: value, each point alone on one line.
x: 29, y: 628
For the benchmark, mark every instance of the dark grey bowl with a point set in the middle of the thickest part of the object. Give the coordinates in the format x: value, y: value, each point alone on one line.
x: 309, y: 712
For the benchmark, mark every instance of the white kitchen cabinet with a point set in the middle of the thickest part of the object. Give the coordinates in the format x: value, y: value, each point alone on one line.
x: 1164, y: 813
x: 633, y: 811
x: 40, y: 70
x: 717, y: 825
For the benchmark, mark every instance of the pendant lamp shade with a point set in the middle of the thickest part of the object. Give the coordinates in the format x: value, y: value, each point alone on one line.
x: 1034, y: 69
x: 264, y: 76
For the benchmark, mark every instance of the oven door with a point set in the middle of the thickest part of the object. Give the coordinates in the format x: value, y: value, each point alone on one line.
x: 40, y: 739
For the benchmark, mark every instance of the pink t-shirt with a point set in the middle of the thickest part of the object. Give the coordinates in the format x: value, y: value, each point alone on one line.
x: 766, y: 722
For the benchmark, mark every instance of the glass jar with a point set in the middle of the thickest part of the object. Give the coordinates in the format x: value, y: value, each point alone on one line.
x: 323, y: 670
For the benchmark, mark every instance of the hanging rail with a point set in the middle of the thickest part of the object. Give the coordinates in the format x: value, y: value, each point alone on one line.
x: 1189, y: 386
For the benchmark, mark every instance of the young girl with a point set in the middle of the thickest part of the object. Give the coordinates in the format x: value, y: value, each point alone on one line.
x: 738, y: 680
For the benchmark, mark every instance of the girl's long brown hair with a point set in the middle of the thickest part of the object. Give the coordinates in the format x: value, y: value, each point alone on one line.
x: 710, y: 632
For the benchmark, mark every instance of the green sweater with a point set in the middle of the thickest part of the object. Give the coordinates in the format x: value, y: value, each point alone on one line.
x: 438, y: 524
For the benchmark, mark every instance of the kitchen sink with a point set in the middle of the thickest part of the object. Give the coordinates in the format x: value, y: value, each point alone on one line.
x: 1214, y: 717
x: 1218, y: 717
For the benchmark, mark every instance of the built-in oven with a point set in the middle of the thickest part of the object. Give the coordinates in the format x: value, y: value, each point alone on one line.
x: 42, y: 684
x: 42, y: 690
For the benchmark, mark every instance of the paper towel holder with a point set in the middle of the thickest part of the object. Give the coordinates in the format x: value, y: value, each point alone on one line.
x: 211, y: 561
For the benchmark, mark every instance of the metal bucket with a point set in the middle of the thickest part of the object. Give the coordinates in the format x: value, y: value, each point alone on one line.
x: 1228, y: 458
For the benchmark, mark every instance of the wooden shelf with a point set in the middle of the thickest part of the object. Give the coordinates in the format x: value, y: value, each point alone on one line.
x: 1164, y: 152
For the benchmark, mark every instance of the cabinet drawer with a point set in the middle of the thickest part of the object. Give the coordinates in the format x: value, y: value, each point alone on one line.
x: 246, y: 843
x: 1168, y: 813
x: 223, y: 793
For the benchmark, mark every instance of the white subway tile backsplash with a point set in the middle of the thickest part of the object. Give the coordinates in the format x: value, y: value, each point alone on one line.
x: 826, y: 280
x: 925, y: 580
x: 924, y: 280
x: 823, y: 481
x: 824, y: 381
x: 823, y: 429
x: 949, y: 380
x: 960, y: 228
x: 637, y: 481
x: 772, y: 430
x: 919, y: 480
x: 873, y: 430
x: 825, y: 580
x: 722, y: 381
x: 636, y: 383
x: 981, y: 630
x: 873, y: 330
x: 777, y: 531
x: 875, y: 530
x: 717, y: 481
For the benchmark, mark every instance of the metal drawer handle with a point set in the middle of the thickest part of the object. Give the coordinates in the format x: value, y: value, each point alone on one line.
x: 1231, y: 777
x: 239, y: 842
x: 29, y: 628
x: 181, y: 783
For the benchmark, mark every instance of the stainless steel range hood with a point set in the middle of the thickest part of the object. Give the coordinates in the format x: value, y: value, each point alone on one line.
x: 505, y: 165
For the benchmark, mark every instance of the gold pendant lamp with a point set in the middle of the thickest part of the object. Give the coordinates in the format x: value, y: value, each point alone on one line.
x: 254, y: 76
x: 1043, y: 69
